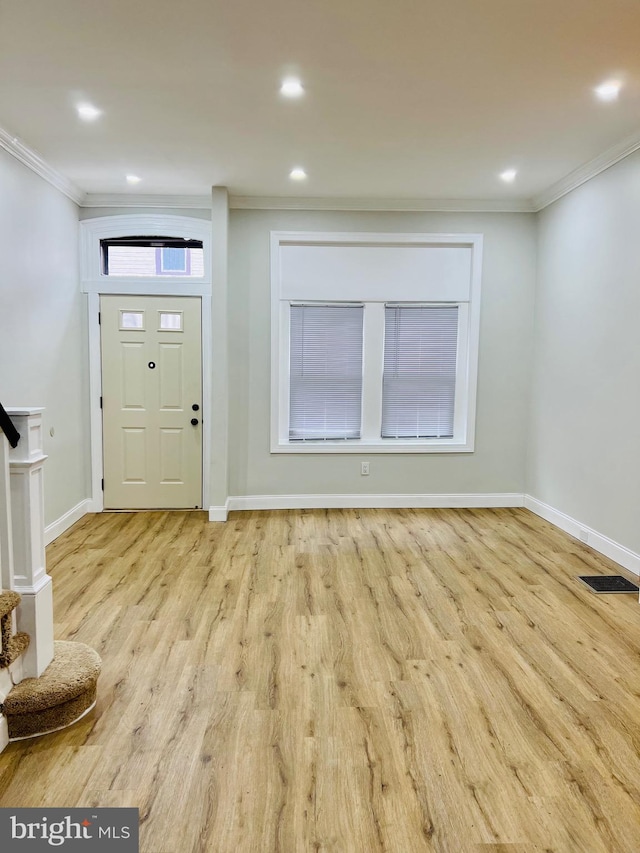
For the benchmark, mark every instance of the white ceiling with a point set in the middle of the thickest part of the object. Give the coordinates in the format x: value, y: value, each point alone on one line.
x: 404, y: 98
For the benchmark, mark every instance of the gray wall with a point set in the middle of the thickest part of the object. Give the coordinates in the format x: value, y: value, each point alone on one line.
x: 43, y: 352
x: 498, y: 464
x: 584, y: 455
x: 563, y: 430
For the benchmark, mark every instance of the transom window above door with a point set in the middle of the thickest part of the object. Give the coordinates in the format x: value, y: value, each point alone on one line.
x: 153, y: 253
x: 150, y: 256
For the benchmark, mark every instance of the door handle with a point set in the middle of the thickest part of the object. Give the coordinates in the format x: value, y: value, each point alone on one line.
x: 194, y: 422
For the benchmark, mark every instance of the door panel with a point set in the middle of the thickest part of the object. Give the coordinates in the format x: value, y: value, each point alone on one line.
x: 171, y: 464
x: 133, y: 376
x: 133, y: 455
x: 171, y: 372
x: 151, y: 378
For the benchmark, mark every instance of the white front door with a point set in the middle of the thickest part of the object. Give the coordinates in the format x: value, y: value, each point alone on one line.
x: 151, y: 401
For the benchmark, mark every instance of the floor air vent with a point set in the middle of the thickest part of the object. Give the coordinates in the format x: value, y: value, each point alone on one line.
x: 608, y: 583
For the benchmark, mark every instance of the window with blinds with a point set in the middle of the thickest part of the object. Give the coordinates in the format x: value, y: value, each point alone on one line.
x: 374, y: 342
x: 325, y: 391
x: 419, y: 379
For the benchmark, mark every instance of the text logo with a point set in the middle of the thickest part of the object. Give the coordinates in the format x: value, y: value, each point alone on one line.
x: 109, y: 830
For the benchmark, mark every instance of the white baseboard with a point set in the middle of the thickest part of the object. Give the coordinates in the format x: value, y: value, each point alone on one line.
x: 58, y: 527
x: 613, y: 550
x: 249, y: 502
x: 219, y: 513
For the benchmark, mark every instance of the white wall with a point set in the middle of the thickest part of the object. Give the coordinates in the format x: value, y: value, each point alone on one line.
x: 93, y: 212
x: 497, y: 465
x: 43, y: 354
x: 584, y: 457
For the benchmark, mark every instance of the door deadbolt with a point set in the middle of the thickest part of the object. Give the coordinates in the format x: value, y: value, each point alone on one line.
x: 194, y: 422
x: 195, y: 407
x: 152, y: 364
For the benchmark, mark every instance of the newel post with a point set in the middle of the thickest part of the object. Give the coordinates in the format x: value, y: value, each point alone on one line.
x: 6, y: 535
x: 30, y: 579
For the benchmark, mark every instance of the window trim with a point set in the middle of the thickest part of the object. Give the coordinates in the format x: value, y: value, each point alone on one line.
x: 92, y: 231
x: 468, y: 346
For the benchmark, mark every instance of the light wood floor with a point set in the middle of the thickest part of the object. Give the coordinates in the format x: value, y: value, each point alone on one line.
x: 353, y: 681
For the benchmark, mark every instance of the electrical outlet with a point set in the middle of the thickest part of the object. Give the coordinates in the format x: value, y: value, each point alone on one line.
x: 364, y: 469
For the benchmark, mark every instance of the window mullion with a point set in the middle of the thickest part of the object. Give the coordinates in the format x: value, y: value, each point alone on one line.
x: 372, y: 367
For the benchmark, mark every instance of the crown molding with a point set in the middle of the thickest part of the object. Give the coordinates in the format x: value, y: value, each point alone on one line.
x: 32, y: 160
x: 587, y: 171
x: 382, y: 204
x: 176, y: 202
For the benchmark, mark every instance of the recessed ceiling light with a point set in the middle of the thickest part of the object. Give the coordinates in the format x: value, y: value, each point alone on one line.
x: 509, y: 175
x: 297, y: 174
x: 88, y: 112
x: 133, y: 179
x: 609, y: 90
x: 292, y: 87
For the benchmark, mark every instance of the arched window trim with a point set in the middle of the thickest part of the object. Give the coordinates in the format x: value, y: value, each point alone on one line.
x: 92, y: 231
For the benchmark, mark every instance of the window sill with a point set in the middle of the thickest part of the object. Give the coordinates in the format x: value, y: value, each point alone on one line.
x: 359, y: 447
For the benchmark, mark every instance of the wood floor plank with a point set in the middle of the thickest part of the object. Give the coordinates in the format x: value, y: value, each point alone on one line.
x: 347, y: 681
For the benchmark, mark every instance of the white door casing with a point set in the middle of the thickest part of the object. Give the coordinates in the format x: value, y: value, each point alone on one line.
x: 151, y: 354
x: 94, y: 283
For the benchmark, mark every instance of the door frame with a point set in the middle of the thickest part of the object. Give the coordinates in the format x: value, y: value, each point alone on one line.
x: 95, y: 285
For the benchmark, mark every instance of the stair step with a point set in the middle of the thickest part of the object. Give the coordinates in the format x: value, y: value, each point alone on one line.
x: 11, y: 645
x: 9, y: 600
x: 12, y: 648
x: 63, y: 693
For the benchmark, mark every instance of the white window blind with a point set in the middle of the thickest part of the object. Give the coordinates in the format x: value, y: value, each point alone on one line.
x: 419, y: 382
x: 325, y: 372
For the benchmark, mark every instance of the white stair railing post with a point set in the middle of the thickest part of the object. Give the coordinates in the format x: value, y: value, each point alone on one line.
x: 6, y: 566
x: 30, y: 579
x: 7, y: 581
x: 6, y: 535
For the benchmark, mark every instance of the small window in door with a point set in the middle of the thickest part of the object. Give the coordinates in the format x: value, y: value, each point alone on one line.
x: 170, y: 321
x: 131, y: 320
x: 151, y: 257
